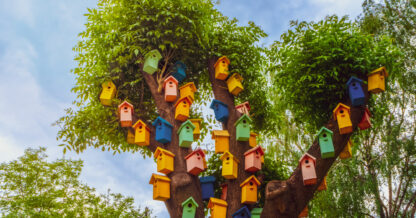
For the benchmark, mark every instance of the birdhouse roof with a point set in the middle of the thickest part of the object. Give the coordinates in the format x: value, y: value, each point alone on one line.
x: 236, y: 76
x: 196, y: 121
x: 216, y: 201
x: 190, y: 200
x: 308, y: 155
x: 190, y: 84
x: 207, y: 179
x: 244, y: 117
x: 170, y: 78
x: 223, y: 58
x: 245, y: 104
x: 160, y: 150
x: 125, y: 104
x: 242, y: 210
x: 381, y: 70
x: 182, y: 65
x: 258, y: 149
x: 228, y: 154
x: 215, y: 101
x: 140, y: 122
x: 155, y: 53
x: 108, y: 83
x: 186, y: 123
x: 253, y: 134
x: 187, y: 98
x: 252, y: 178
x: 256, y: 211
x: 156, y: 177
x: 160, y: 119
x: 198, y: 150
x: 368, y: 112
x: 323, y: 129
x: 339, y: 106
x: 354, y: 79
x: 223, y: 133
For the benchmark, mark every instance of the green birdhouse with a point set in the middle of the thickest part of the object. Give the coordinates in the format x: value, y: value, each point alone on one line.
x: 189, y: 208
x: 186, y: 134
x: 325, y: 143
x: 151, y: 60
x: 256, y: 212
x: 243, y: 128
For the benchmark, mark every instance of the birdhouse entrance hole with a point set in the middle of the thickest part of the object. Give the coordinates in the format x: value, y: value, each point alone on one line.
x: 306, y: 161
x: 324, y: 135
x: 189, y: 205
x: 251, y: 183
x: 228, y: 158
x: 341, y: 111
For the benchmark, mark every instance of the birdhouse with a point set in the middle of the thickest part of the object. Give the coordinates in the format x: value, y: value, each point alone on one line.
x: 221, y: 68
x: 229, y: 165
x: 242, y: 213
x: 252, y: 141
x: 182, y: 107
x: 304, y: 212
x: 377, y: 80
x: 125, y: 112
x: 197, y: 130
x: 220, y: 110
x: 161, y: 187
x: 243, y: 108
x: 307, y: 163
x: 188, y: 90
x: 179, y: 71
x: 256, y: 212
x: 195, y: 162
x: 242, y: 126
x: 163, y: 130
x: 224, y: 188
x: 151, y: 61
x: 218, y: 208
x: 171, y: 89
x: 186, y: 134
x: 189, y: 208
x: 365, y: 122
x: 130, y: 137
x: 207, y: 187
x: 222, y: 140
x: 252, y: 159
x: 346, y: 152
x: 355, y: 91
x: 322, y: 186
x: 342, y: 116
x: 142, y: 133
x: 234, y: 84
x: 325, y: 143
x: 164, y: 160
x: 249, y: 190
x: 108, y: 93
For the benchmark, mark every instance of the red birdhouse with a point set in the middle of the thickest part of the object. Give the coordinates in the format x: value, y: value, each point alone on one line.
x: 252, y: 159
x: 307, y: 163
x: 243, y: 108
x: 171, y: 89
x: 365, y: 122
x: 125, y: 111
x: 195, y: 162
x: 224, y: 188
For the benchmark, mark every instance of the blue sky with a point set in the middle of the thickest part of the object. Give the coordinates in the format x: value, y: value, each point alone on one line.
x: 36, y: 57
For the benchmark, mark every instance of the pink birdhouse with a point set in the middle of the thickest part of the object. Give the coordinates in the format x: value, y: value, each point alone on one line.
x: 253, y: 159
x: 195, y: 162
x: 365, y: 122
x: 171, y: 89
x: 307, y: 163
x: 125, y: 111
x: 243, y: 108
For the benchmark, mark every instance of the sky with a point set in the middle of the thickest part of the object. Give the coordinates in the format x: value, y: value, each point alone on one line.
x: 36, y: 57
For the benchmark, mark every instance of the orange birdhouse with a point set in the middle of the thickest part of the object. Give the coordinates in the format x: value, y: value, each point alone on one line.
x: 164, y: 160
x: 342, y: 116
x: 197, y: 130
x: 222, y: 140
x: 161, y: 187
x: 252, y: 159
x: 195, y: 162
x: 304, y: 212
x: 218, y: 208
x: 243, y: 108
x: 108, y: 93
x: 171, y: 89
x: 142, y: 133
x: 188, y: 90
x: 346, y: 152
x: 125, y: 112
x: 322, y: 186
x: 377, y: 80
x: 221, y: 68
x: 182, y: 107
x: 252, y: 141
x: 249, y: 190
x: 307, y: 163
x: 365, y: 122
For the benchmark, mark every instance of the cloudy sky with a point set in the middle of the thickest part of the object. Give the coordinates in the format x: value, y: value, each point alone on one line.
x: 36, y: 40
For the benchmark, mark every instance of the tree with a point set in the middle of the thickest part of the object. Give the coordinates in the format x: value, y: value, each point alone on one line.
x: 33, y: 187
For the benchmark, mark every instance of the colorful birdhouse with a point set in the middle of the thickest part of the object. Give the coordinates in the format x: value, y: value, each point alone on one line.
x: 365, y: 122
x: 252, y: 159
x: 161, y: 187
x: 322, y: 186
x: 256, y: 212
x: 234, y: 84
x: 377, y: 80
x: 151, y: 61
x: 346, y: 152
x: 242, y: 126
x: 342, y: 116
x: 218, y: 208
x: 186, y: 134
x: 224, y: 189
x: 195, y: 162
x: 189, y: 208
x: 221, y: 68
x: 179, y: 71
x: 182, y: 107
x: 249, y: 190
x: 307, y: 163
x: 252, y: 141
x: 220, y: 110
x: 164, y: 160
x: 355, y: 91
x: 243, y: 108
x: 222, y: 140
x: 130, y: 137
x: 108, y: 93
x: 325, y: 143
x: 242, y: 213
x: 163, y: 130
x: 188, y: 90
x: 197, y: 130
x: 207, y: 187
x: 304, y: 212
x: 171, y: 89
x: 125, y: 113
x: 229, y: 165
x: 142, y: 133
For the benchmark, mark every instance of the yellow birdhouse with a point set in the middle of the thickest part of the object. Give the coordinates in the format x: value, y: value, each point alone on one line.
x: 142, y: 133
x: 252, y: 141
x: 249, y: 190
x: 222, y: 140
x: 346, y: 153
x: 229, y: 165
x: 197, y: 130
x: 234, y: 84
x: 164, y: 160
x: 377, y: 80
x: 161, y: 187
x: 188, y: 90
x: 221, y: 68
x: 108, y: 93
x: 342, y: 115
x: 130, y: 137
x: 182, y: 107
x: 218, y: 208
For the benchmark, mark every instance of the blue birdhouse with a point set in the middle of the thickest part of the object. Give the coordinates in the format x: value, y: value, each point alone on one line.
x: 220, y: 110
x: 355, y: 91
x: 207, y: 187
x: 179, y: 71
x: 242, y: 213
x: 325, y: 143
x: 163, y: 130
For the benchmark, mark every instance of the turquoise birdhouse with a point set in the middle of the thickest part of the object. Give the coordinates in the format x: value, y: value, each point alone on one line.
x: 189, y: 208
x: 186, y: 134
x: 179, y: 71
x: 243, y: 128
x: 325, y: 143
x: 151, y: 61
